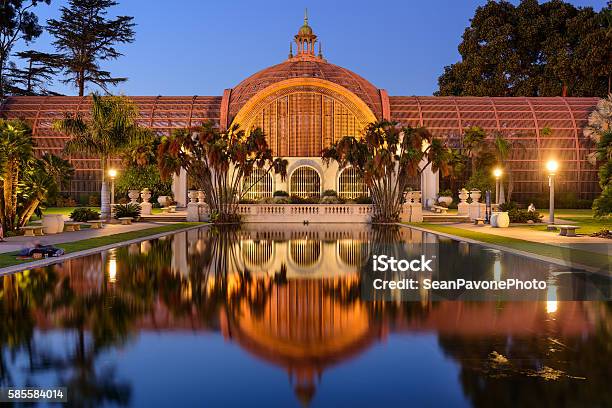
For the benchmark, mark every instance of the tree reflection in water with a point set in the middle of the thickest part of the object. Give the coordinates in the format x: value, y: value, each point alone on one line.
x: 258, y: 288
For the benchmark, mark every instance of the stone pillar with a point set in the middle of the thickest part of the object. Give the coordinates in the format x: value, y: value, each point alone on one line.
x: 179, y: 188
x: 145, y: 206
x: 416, y: 207
x: 463, y: 208
x: 430, y: 186
x: 477, y: 209
x: 192, y: 207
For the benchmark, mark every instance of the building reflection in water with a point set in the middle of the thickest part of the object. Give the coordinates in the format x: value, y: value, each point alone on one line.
x: 292, y: 297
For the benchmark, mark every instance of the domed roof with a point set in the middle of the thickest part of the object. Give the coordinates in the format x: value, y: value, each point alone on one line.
x: 305, y: 67
x: 305, y: 30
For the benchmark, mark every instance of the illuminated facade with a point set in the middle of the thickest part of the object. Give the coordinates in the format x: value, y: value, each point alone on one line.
x: 305, y: 103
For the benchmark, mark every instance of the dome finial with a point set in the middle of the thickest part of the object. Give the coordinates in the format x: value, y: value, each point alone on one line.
x: 290, y: 49
x: 306, y: 16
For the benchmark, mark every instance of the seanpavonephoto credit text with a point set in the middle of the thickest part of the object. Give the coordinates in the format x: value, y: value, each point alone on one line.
x: 458, y: 284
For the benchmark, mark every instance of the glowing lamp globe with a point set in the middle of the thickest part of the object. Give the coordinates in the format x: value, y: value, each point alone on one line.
x: 552, y: 166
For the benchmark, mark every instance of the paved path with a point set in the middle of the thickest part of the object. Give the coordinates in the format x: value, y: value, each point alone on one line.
x: 16, y: 243
x: 586, y: 243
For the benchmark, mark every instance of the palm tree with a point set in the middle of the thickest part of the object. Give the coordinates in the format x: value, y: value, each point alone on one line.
x: 37, y: 184
x: 107, y: 133
x: 503, y: 149
x: 60, y: 169
x: 15, y: 149
x: 474, y: 144
x: 386, y: 158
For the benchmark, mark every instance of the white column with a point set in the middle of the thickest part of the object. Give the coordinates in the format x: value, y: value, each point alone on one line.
x: 430, y: 185
x: 179, y: 188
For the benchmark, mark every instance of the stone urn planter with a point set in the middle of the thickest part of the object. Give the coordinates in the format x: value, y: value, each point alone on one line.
x: 133, y: 195
x: 416, y: 195
x: 475, y: 195
x: 164, y: 201
x: 193, y: 196
x: 500, y: 220
x: 408, y: 196
x: 53, y: 223
x: 445, y: 200
x: 201, y: 196
x: 145, y: 194
x: 463, y: 195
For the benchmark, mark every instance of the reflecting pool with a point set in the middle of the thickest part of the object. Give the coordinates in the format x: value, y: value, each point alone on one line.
x: 276, y: 316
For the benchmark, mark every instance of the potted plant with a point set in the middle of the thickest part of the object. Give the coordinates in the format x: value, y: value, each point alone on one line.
x: 445, y: 197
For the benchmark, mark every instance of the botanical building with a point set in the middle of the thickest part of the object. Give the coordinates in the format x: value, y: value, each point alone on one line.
x: 305, y: 103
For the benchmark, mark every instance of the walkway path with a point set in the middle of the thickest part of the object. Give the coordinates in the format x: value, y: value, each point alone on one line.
x: 585, y: 243
x: 12, y: 244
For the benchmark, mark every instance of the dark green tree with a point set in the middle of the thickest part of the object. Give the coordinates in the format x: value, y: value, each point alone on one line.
x: 85, y: 37
x: 533, y: 49
x: 37, y: 74
x: 17, y: 23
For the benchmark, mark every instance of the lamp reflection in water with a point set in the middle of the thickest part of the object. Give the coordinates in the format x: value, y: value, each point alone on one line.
x: 112, y: 266
x: 551, y: 296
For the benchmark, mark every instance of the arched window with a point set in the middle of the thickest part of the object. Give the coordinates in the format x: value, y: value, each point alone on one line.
x: 350, y: 184
x: 305, y: 252
x: 263, y: 186
x: 305, y: 182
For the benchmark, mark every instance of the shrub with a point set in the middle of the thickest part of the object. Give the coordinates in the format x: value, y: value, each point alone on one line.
x: 280, y: 193
x: 93, y: 200
x: 140, y: 177
x: 330, y: 193
x: 363, y: 200
x: 603, y: 204
x: 481, y: 180
x: 510, y: 205
x: 299, y: 200
x: 84, y: 214
x: 127, y: 210
x: 445, y: 193
x: 246, y: 201
x: 517, y: 215
x: 328, y: 199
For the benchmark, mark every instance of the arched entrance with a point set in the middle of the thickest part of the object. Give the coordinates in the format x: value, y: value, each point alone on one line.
x: 305, y: 182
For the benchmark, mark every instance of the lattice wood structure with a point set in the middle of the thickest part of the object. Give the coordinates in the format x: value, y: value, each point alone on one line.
x: 306, y: 103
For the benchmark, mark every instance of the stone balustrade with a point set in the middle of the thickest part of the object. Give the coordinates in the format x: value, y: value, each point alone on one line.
x: 198, y: 210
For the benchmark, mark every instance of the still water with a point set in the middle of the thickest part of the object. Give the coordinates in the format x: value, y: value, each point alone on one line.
x: 272, y: 316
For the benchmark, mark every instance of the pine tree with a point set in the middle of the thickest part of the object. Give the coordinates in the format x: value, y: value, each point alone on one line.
x: 85, y: 37
x: 17, y: 23
x: 37, y: 75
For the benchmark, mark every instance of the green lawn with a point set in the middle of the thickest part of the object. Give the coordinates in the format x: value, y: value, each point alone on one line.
x: 67, y: 210
x: 588, y: 258
x: 69, y: 247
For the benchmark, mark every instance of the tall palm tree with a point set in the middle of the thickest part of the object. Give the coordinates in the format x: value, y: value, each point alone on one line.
x: 106, y: 133
x: 503, y: 149
x: 36, y: 185
x: 60, y: 169
x: 15, y: 149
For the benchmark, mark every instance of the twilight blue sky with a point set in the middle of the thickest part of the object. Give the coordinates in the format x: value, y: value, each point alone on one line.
x: 200, y: 47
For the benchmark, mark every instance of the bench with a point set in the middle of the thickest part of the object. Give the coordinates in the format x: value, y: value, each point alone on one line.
x: 95, y: 224
x: 72, y: 226
x: 125, y: 220
x: 439, y: 209
x: 567, y: 230
x: 479, y: 221
x: 33, y: 230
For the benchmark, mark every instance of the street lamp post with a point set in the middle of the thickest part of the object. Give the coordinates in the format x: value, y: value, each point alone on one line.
x: 112, y: 173
x: 552, y: 166
x: 497, y: 173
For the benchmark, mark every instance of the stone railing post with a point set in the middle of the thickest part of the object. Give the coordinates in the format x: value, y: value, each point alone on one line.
x: 145, y: 206
x: 416, y: 207
x: 192, y: 207
x: 463, y: 208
